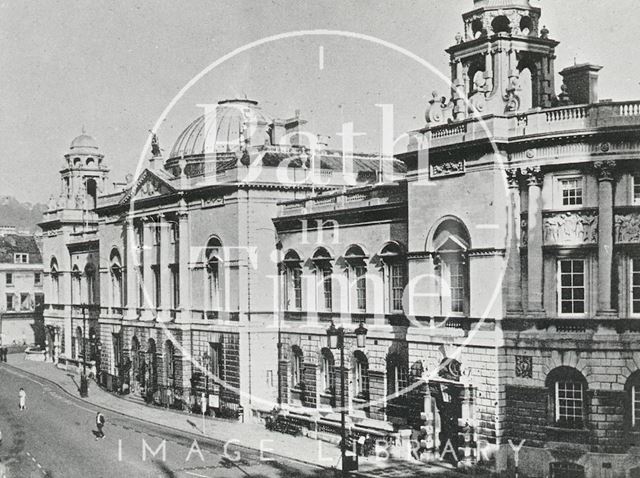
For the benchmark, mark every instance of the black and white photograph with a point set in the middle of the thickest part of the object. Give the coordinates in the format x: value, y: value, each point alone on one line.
x: 318, y: 239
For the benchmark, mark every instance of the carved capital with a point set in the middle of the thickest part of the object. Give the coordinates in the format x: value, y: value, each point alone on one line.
x: 604, y: 170
x: 534, y: 176
x: 513, y: 178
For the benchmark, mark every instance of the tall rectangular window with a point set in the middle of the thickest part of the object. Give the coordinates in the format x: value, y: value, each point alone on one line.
x: 635, y: 286
x: 397, y: 286
x: 37, y: 278
x: 116, y: 339
x: 175, y: 287
x: 571, y: 190
x: 296, y: 286
x: 456, y: 278
x: 9, y: 301
x: 569, y: 403
x: 635, y: 405
x: 327, y: 284
x: 571, y: 285
x: 9, y: 278
x: 636, y: 189
x: 156, y: 286
x: 361, y: 288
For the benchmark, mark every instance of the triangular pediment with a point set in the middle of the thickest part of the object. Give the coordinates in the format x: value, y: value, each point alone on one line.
x: 148, y: 185
x: 450, y: 242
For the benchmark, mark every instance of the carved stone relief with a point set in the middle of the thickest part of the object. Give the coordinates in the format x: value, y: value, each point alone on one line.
x: 448, y: 168
x: 524, y: 366
x: 580, y: 227
x: 626, y: 228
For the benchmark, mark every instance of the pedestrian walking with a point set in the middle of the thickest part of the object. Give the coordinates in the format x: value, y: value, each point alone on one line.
x: 100, y: 421
x: 22, y: 399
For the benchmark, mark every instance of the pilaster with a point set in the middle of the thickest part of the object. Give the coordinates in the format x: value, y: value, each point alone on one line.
x: 164, y: 273
x: 183, y: 261
x: 131, y: 263
x: 514, y: 273
x: 605, y: 170
x: 534, y: 178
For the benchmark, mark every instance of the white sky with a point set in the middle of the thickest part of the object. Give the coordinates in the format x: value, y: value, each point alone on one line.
x: 113, y: 67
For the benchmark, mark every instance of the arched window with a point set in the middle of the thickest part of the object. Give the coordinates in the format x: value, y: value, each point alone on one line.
x: 357, y: 272
x: 526, y: 90
x: 501, y: 24
x: 394, y: 276
x: 213, y: 256
x: 169, y: 363
x: 79, y: 344
x: 360, y: 375
x: 296, y: 367
x: 90, y: 275
x: 526, y: 25
x: 293, y: 280
x: 324, y: 283
x: 117, y: 299
x: 632, y: 410
x: 55, y: 281
x: 92, y: 194
x: 327, y: 371
x: 135, y: 360
x: 451, y: 243
x: 477, y: 28
x: 567, y: 397
x: 76, y: 286
x: 152, y: 362
x: 397, y: 374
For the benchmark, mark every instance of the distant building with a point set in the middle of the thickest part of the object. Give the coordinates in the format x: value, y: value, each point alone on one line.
x: 21, y: 289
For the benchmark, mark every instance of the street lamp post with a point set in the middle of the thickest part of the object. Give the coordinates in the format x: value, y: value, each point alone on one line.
x: 335, y: 339
x: 84, y: 385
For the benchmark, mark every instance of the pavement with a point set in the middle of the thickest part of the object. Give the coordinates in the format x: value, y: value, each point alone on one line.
x: 267, y: 450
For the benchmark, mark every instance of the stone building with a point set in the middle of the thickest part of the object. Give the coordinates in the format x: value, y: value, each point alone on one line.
x: 21, y: 296
x: 498, y: 281
x: 71, y: 256
x: 495, y: 266
x: 179, y: 265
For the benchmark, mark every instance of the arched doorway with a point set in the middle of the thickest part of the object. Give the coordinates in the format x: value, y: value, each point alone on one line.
x: 151, y: 380
x: 447, y: 394
x: 136, y: 371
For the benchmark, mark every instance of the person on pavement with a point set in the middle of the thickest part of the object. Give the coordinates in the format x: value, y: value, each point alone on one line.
x: 22, y: 396
x: 100, y: 421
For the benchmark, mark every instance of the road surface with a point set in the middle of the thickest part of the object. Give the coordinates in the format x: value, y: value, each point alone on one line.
x: 55, y: 437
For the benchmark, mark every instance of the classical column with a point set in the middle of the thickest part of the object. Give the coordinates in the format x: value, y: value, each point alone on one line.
x: 605, y: 235
x: 183, y: 261
x: 148, y: 252
x: 514, y: 283
x: 131, y: 262
x: 165, y: 273
x: 534, y: 241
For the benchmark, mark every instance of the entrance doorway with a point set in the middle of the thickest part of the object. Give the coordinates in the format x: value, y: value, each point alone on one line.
x: 448, y: 400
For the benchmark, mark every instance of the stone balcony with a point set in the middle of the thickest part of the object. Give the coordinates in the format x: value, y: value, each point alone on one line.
x: 538, y: 123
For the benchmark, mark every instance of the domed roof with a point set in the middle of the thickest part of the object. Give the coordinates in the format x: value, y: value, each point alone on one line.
x: 230, y: 126
x: 84, y: 141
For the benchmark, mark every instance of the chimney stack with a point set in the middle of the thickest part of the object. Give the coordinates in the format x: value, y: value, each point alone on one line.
x: 582, y: 83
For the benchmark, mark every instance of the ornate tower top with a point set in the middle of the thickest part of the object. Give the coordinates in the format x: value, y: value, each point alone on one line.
x: 511, y: 17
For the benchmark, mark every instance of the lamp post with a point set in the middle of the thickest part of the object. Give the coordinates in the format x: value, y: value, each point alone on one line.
x: 335, y: 340
x: 84, y: 384
x: 206, y: 362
